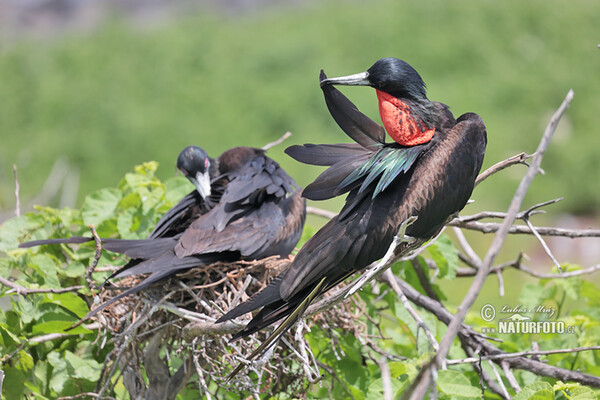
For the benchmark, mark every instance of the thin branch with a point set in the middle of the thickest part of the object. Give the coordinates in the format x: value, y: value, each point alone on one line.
x: 473, y: 339
x: 464, y: 244
x: 505, y: 356
x: 543, y: 243
x: 86, y: 394
x: 501, y: 215
x: 511, y: 378
x: 17, y: 199
x: 90, y: 270
x: 504, y: 392
x: 501, y: 235
x: 389, y: 278
x: 201, y: 381
x: 517, y: 159
x: 320, y: 212
x: 277, y: 142
x: 386, y: 378
x: 493, y: 227
x: 21, y: 290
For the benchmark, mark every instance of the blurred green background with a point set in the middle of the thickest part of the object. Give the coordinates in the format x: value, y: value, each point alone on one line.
x: 123, y: 90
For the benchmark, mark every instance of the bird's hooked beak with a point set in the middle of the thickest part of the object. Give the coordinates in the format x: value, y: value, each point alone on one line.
x: 202, y: 183
x: 360, y: 79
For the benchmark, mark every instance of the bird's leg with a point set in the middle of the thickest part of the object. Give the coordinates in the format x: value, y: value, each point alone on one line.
x: 384, y: 262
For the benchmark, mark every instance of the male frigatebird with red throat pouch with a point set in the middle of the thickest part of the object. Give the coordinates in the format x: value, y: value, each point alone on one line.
x: 245, y: 207
x: 428, y: 172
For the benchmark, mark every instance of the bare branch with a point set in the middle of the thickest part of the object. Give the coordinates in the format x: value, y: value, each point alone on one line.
x: 90, y: 270
x: 388, y: 277
x: 500, y: 237
x: 511, y: 378
x: 543, y: 243
x: 17, y: 199
x: 277, y: 142
x: 517, y: 159
x: 473, y: 339
x: 320, y: 212
x: 386, y: 378
x: 493, y: 227
x: 21, y: 290
x: 505, y: 356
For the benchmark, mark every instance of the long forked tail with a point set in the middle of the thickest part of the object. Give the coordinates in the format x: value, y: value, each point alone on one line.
x: 281, y: 329
x: 134, y: 248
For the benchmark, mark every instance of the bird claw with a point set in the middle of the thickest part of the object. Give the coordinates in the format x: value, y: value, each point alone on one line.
x: 400, y: 238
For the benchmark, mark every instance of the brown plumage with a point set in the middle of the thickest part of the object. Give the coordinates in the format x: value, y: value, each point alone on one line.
x: 256, y: 211
x: 432, y: 181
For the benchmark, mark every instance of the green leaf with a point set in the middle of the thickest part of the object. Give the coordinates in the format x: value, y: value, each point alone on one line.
x: 69, y: 301
x: 582, y: 393
x: 536, y: 391
x: 88, y: 369
x: 46, y: 266
x: 445, y: 255
x: 176, y: 188
x: 457, y: 386
x: 100, y: 206
x: 13, y: 383
x: 25, y: 362
x: 12, y: 230
x: 60, y: 376
x: 57, y: 326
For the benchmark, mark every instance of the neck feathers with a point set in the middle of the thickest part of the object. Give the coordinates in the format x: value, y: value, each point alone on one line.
x: 404, y: 125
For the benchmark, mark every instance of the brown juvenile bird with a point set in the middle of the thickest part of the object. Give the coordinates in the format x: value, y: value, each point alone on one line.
x: 251, y: 209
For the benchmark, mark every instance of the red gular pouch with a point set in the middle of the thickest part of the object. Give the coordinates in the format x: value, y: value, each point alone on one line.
x: 402, y: 126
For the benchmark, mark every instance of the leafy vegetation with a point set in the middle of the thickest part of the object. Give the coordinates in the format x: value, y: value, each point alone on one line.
x: 69, y: 363
x: 121, y: 95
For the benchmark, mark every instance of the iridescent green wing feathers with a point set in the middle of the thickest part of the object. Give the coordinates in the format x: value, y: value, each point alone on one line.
x: 385, y: 165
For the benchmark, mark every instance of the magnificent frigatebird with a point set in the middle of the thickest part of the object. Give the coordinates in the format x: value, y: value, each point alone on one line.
x: 259, y: 213
x: 428, y: 172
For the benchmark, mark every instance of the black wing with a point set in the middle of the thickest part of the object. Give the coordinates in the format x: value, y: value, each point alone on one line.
x: 355, y: 124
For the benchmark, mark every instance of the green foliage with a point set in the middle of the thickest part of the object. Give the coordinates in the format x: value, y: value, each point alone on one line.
x: 120, y: 95
x: 71, y: 363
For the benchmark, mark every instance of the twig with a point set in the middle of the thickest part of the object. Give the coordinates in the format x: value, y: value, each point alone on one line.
x: 511, y: 378
x: 278, y: 141
x: 473, y: 339
x: 517, y: 159
x: 90, y: 270
x: 21, y: 290
x: 501, y: 215
x: 569, y: 274
x: 505, y: 356
x: 386, y: 378
x: 464, y: 244
x: 493, y: 227
x: 17, y: 199
x: 543, y: 243
x: 504, y: 392
x: 389, y: 278
x: 498, y: 241
x: 86, y: 394
x: 320, y: 212
x: 201, y: 380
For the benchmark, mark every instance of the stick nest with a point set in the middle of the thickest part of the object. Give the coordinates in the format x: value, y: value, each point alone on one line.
x: 183, y: 310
